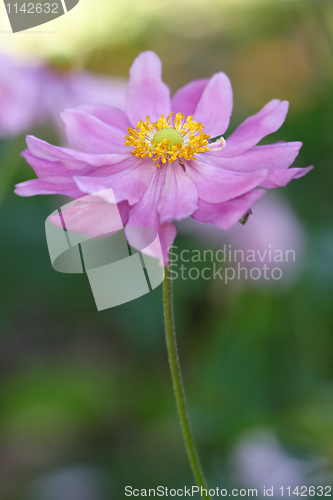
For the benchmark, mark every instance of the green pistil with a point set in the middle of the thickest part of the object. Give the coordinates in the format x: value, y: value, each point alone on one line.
x: 170, y: 134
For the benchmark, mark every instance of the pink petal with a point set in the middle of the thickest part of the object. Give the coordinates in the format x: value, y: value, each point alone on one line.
x: 268, y: 120
x: 147, y: 95
x: 78, y: 87
x: 93, y: 217
x: 145, y: 213
x: 179, y: 197
x: 225, y: 215
x: 216, y: 185
x: 46, y: 168
x: 108, y: 114
x: 49, y: 185
x: 186, y: 98
x: 273, y: 157
x: 20, y: 96
x: 215, y: 105
x: 73, y: 160
x: 124, y: 210
x: 90, y: 135
x: 280, y: 178
x: 129, y: 184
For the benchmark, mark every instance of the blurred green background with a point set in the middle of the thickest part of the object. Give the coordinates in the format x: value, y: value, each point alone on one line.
x: 86, y: 404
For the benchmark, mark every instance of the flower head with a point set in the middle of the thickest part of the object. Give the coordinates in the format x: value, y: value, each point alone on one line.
x: 166, y: 159
x: 164, y: 141
x: 19, y: 97
x: 32, y: 94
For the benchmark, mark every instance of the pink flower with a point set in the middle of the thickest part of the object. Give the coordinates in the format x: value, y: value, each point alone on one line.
x: 19, y: 97
x: 66, y: 89
x: 35, y: 94
x: 165, y: 167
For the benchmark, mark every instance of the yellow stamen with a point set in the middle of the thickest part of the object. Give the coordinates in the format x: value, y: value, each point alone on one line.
x: 163, y: 142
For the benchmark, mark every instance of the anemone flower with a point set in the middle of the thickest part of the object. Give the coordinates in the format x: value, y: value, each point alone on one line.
x: 20, y: 107
x: 165, y: 160
x: 66, y: 89
x: 31, y: 94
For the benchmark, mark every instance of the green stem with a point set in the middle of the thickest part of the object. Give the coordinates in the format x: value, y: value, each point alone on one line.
x: 178, y: 386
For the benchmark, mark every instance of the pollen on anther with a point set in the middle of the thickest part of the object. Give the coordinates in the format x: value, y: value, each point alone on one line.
x: 166, y: 142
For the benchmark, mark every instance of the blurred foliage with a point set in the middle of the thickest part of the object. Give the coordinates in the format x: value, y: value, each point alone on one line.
x: 93, y: 389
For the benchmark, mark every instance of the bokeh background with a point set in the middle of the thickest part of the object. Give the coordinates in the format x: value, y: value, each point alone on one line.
x: 86, y: 405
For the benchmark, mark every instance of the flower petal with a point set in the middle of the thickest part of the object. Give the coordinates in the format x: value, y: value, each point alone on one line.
x: 93, y: 217
x: 268, y: 120
x: 90, y: 135
x: 280, y: 178
x: 128, y: 184
x: 124, y: 210
x: 20, y: 96
x: 108, y: 114
x: 73, y: 160
x: 78, y: 87
x: 179, y: 197
x: 49, y: 185
x: 216, y: 185
x: 186, y: 98
x: 46, y: 168
x: 215, y: 105
x: 271, y: 157
x: 147, y: 95
x: 145, y: 213
x: 225, y: 215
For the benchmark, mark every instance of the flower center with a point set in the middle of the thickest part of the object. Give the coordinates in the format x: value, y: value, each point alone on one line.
x: 169, y: 134
x: 164, y: 141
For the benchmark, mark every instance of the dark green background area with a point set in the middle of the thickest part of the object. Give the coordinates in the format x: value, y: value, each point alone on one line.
x: 88, y: 391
